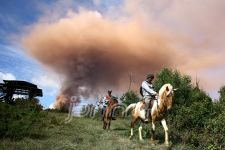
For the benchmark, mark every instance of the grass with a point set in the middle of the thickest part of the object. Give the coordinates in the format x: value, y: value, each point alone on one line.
x: 87, y: 133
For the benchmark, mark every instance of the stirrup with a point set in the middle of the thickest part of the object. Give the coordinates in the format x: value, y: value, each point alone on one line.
x: 146, y: 120
x: 113, y: 118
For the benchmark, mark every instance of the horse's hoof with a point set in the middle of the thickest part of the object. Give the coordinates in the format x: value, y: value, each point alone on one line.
x: 167, y: 144
x: 131, y: 137
x: 153, y: 142
x: 141, y: 140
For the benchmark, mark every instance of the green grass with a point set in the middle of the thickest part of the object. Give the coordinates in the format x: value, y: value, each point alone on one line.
x: 86, y: 133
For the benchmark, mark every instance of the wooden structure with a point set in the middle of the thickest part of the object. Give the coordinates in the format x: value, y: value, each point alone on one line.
x: 11, y: 87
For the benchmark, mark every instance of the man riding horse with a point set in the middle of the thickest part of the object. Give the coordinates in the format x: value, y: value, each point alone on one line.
x: 149, y: 94
x: 106, y: 102
x: 109, y: 113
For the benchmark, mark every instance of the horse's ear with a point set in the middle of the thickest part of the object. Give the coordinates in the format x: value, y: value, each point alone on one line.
x: 167, y: 88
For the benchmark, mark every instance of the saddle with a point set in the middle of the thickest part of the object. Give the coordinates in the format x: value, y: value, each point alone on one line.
x: 143, y: 104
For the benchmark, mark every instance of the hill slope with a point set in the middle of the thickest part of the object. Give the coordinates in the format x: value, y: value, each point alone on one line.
x: 86, y: 133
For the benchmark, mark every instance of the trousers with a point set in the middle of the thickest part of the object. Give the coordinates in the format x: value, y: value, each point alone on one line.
x: 147, y: 100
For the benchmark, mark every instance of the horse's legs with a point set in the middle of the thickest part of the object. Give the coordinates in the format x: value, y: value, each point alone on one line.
x: 131, y: 133
x: 134, y: 120
x: 104, y: 123
x: 153, y: 131
x: 166, y: 131
x: 108, y: 124
x: 140, y: 133
x: 105, y: 120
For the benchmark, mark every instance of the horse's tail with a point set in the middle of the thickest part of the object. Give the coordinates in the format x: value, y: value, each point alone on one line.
x: 130, y: 107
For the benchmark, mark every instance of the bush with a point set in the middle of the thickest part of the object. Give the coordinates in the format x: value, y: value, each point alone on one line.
x: 194, y: 120
x: 129, y: 98
x: 30, y: 104
x: 25, y: 118
x: 222, y: 95
x: 181, y: 82
x: 17, y: 123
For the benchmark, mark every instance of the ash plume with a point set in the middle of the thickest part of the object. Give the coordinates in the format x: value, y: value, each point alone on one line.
x: 94, y: 53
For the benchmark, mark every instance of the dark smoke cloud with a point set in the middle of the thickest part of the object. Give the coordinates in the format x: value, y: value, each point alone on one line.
x: 94, y: 53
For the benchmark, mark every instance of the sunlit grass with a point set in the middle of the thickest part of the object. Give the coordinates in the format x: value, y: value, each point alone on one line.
x: 86, y: 133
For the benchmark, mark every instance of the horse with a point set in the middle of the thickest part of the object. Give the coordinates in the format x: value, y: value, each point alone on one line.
x: 158, y: 112
x: 107, y: 116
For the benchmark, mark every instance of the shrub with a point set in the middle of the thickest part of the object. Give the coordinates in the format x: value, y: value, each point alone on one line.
x: 195, y: 120
x: 25, y: 118
x: 129, y: 98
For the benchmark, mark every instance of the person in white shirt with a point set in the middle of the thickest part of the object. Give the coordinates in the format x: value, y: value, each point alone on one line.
x: 105, y: 101
x: 148, y: 93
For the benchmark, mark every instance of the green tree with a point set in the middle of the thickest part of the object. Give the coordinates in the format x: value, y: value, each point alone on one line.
x: 192, y: 107
x: 130, y: 97
x: 181, y: 82
x: 222, y: 95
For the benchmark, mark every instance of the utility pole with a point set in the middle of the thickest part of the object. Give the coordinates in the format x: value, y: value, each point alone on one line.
x: 130, y: 80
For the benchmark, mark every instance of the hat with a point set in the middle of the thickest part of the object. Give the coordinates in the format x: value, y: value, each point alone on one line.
x: 150, y: 75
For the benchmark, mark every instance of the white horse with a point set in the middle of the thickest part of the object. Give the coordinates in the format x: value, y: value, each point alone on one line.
x: 158, y: 111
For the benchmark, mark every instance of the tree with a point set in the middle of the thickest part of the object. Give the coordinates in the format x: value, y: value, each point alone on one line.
x: 177, y: 80
x: 192, y: 107
x: 222, y: 95
x: 129, y: 98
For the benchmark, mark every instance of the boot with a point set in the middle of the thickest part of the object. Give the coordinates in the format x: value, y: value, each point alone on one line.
x: 103, y: 114
x: 113, y: 118
x: 113, y: 115
x: 147, y: 115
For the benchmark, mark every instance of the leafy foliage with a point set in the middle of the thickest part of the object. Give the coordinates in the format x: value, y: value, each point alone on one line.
x: 25, y: 118
x: 222, y: 95
x: 181, y: 82
x: 194, y: 116
x: 129, y: 98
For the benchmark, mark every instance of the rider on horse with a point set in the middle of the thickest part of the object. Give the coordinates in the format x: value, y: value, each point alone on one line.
x: 149, y: 94
x: 106, y: 101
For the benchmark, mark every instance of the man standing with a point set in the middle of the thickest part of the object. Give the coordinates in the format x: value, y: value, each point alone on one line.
x: 148, y: 94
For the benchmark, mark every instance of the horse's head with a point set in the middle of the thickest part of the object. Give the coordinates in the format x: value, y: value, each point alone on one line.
x: 166, y: 94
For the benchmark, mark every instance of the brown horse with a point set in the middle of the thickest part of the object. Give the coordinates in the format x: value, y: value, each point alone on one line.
x: 108, y: 113
x: 158, y: 111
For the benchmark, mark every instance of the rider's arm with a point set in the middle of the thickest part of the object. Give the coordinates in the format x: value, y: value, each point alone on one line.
x: 148, y: 89
x: 100, y: 102
x: 105, y: 100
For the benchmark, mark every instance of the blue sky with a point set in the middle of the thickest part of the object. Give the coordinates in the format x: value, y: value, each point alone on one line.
x: 14, y: 16
x: 13, y: 61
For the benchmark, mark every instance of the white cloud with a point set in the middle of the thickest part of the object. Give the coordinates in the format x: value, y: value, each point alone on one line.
x: 49, y: 82
x: 6, y: 76
x: 51, y: 106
